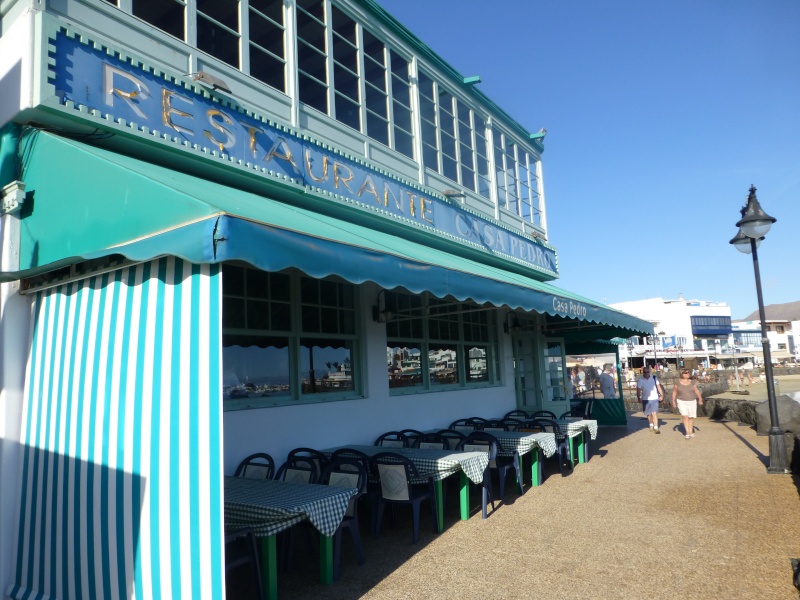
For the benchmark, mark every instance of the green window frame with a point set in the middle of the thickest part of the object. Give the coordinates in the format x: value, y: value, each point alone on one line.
x: 287, y: 339
x: 438, y: 344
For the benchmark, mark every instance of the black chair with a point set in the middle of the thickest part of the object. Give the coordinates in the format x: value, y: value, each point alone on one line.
x: 256, y: 466
x: 241, y: 550
x: 562, y: 441
x: 516, y: 414
x: 413, y: 435
x: 463, y: 425
x: 481, y: 441
x: 373, y: 484
x: 346, y: 472
x: 452, y: 437
x: 478, y: 422
x: 544, y: 414
x: 402, y: 483
x: 392, y: 439
x: 492, y: 425
x: 431, y: 441
x: 299, y: 469
x: 571, y: 414
x: 320, y: 460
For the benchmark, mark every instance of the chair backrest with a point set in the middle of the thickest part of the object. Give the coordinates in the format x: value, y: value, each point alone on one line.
x: 492, y: 425
x: 531, y: 425
x: 478, y: 422
x: 516, y: 414
x: 431, y: 441
x: 346, y: 472
x: 481, y: 441
x: 544, y: 414
x: 412, y: 434
x: 510, y: 424
x: 256, y: 466
x: 452, y: 437
x: 548, y: 425
x: 352, y: 454
x: 395, y: 472
x: 320, y: 460
x: 392, y: 439
x: 299, y: 469
x: 572, y: 414
x: 587, y: 409
x: 462, y: 425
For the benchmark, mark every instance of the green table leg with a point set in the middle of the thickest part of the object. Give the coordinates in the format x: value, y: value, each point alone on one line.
x: 325, y: 559
x: 535, y: 479
x: 269, y: 567
x: 572, y: 450
x: 581, y: 448
x: 439, y: 493
x: 463, y: 493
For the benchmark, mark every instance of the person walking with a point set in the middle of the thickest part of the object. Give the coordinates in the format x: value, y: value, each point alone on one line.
x: 687, y: 395
x: 608, y: 383
x: 648, y: 392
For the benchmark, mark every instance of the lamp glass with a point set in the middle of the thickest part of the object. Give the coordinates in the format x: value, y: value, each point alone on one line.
x: 756, y: 229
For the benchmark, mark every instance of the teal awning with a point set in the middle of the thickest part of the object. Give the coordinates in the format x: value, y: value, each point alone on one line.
x: 89, y: 202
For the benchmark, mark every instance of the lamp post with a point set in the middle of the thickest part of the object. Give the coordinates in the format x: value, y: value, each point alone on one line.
x: 630, y: 353
x: 753, y: 226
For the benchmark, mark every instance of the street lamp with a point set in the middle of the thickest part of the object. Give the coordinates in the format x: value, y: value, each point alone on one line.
x: 630, y: 353
x: 753, y: 226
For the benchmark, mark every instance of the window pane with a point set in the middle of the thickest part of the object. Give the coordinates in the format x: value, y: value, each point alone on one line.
x: 404, y: 142
x: 271, y: 8
x: 378, y: 128
x: 311, y: 31
x: 375, y: 74
x: 345, y: 54
x: 311, y: 62
x: 373, y: 47
x: 223, y: 11
x: 254, y: 367
x: 267, y: 68
x: 425, y: 85
x: 345, y: 82
x: 478, y: 368
x: 313, y: 7
x: 430, y: 157
x: 167, y: 15
x: 375, y: 100
x: 343, y: 25
x: 347, y: 112
x: 233, y: 281
x: 326, y: 366
x: 402, y: 116
x: 449, y: 168
x: 443, y: 364
x: 400, y: 91
x: 267, y: 34
x: 404, y: 364
x: 399, y: 65
x: 313, y: 93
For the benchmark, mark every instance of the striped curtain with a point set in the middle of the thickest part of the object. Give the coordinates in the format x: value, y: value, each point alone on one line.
x: 121, y: 490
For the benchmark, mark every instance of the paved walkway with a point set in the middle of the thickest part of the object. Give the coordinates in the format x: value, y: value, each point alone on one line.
x: 649, y: 516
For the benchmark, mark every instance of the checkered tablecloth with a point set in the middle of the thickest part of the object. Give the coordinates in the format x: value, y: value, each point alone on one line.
x: 572, y: 428
x: 523, y: 442
x: 439, y: 463
x: 271, y: 506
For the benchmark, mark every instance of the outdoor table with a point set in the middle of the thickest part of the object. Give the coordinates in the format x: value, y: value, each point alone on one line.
x: 519, y: 443
x: 269, y: 507
x: 440, y: 464
x: 583, y: 430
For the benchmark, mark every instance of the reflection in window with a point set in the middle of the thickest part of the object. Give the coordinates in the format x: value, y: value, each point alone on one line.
x: 443, y: 364
x: 405, y: 364
x: 312, y: 54
x: 434, y: 342
x: 286, y: 336
x: 254, y: 367
x: 325, y: 366
x: 268, y: 43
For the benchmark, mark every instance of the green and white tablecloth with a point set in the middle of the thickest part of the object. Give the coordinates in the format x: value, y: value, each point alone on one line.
x: 571, y: 428
x: 269, y: 507
x: 523, y: 442
x: 438, y: 463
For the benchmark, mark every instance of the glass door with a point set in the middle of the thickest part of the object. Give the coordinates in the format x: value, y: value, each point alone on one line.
x: 555, y: 377
x: 525, y: 371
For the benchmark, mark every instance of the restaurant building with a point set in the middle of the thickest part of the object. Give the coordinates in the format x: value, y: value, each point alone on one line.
x: 239, y: 226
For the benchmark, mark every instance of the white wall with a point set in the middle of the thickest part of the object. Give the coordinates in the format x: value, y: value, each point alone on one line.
x: 16, y: 43
x: 323, y: 425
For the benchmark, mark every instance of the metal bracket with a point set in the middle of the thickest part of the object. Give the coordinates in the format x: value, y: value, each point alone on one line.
x: 13, y: 197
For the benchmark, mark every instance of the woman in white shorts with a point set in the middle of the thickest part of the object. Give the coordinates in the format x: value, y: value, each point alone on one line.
x: 687, y: 395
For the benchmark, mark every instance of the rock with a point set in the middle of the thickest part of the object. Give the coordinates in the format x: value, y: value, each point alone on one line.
x: 725, y: 409
x: 788, y: 415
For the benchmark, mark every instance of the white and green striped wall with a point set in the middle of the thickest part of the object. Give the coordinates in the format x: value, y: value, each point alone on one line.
x: 121, y: 481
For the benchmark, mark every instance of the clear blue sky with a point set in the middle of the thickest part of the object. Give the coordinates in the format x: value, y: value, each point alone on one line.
x: 659, y: 116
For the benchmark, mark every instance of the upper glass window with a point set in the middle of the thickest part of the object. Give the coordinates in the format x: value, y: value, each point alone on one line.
x: 168, y: 15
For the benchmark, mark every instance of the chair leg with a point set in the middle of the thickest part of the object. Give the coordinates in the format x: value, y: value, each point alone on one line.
x: 355, y: 533
x: 337, y: 552
x: 415, y: 510
x: 378, y: 519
